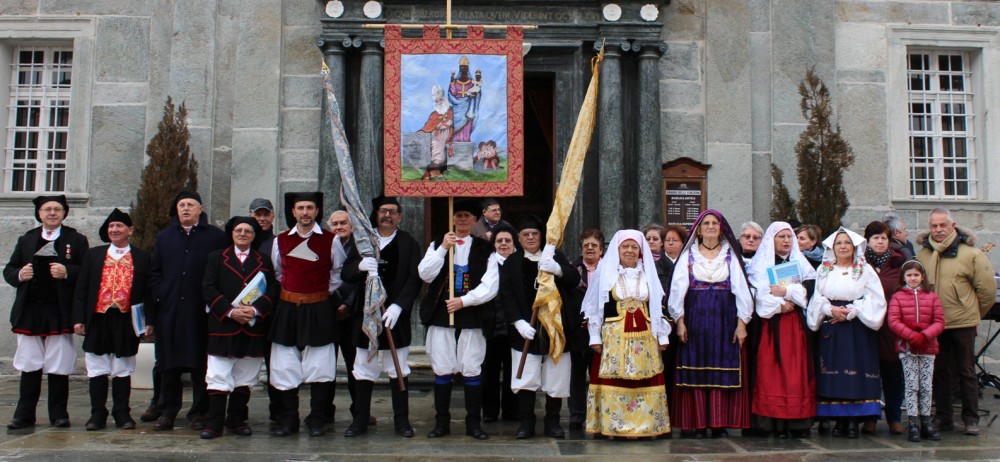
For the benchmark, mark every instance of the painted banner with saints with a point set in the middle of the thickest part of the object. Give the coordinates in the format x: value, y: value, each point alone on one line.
x: 454, y: 121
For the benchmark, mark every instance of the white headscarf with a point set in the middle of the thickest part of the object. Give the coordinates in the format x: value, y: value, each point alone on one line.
x: 764, y: 258
x: 606, y: 275
x: 830, y: 258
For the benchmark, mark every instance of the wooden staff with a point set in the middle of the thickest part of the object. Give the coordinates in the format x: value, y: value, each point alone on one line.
x: 392, y: 351
x: 451, y: 260
x: 527, y: 344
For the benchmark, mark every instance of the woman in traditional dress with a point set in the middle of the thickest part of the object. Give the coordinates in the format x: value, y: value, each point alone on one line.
x: 624, y: 315
x: 711, y: 303
x: 847, y: 310
x: 784, y: 398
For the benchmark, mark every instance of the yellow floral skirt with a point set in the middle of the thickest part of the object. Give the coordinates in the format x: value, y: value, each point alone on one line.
x: 627, y: 397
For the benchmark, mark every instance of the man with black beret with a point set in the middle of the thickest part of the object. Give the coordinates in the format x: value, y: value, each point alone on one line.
x: 43, y: 268
x: 397, y: 268
x: 180, y: 320
x: 237, y: 332
x: 517, y: 295
x: 113, y: 280
x: 459, y: 347
x: 303, y: 333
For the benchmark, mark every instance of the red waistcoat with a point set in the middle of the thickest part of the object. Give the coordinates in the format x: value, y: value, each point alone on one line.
x: 304, y: 276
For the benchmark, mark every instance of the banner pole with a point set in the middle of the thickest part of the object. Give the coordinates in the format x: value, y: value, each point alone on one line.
x: 451, y: 257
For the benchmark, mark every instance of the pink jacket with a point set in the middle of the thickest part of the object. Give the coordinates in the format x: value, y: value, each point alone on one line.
x: 912, y: 311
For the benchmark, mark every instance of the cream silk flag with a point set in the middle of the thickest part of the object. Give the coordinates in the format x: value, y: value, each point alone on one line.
x: 547, y: 299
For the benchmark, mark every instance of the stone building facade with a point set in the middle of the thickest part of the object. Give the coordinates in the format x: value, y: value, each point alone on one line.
x: 709, y: 80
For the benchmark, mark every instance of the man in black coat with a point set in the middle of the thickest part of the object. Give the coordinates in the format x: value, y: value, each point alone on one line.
x: 455, y: 321
x: 347, y: 318
x: 517, y: 295
x: 175, y: 282
x: 113, y: 282
x: 397, y: 268
x: 237, y: 333
x: 43, y: 268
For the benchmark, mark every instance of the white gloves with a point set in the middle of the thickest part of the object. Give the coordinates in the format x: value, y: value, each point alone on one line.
x: 525, y: 329
x: 368, y: 264
x: 548, y: 263
x: 391, y: 315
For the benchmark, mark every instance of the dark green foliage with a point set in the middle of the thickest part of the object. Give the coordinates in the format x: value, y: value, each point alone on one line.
x: 823, y: 156
x: 170, y: 170
x: 782, y: 204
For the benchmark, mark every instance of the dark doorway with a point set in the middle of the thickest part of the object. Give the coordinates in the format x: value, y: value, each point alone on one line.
x: 539, y: 161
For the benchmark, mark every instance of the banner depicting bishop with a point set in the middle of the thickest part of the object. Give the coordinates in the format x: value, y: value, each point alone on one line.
x: 453, y: 114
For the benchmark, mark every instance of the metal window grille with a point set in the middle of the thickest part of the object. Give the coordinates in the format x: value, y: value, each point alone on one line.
x: 38, y: 121
x: 941, y: 129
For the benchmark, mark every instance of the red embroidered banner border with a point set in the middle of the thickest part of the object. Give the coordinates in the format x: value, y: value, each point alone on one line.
x: 431, y: 43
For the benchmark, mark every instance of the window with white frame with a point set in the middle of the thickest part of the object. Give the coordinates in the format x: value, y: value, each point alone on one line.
x: 38, y: 120
x: 942, y: 157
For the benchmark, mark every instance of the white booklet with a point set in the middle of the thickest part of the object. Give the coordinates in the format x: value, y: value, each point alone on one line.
x: 138, y: 319
x: 254, y: 289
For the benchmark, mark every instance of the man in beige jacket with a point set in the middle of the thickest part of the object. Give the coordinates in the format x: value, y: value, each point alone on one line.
x: 962, y: 277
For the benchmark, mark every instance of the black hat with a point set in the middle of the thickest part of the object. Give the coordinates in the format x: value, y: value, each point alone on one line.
x: 378, y: 202
x: 468, y: 205
x: 233, y: 222
x: 291, y: 198
x: 531, y: 222
x: 181, y: 196
x: 41, y: 200
x: 116, y: 215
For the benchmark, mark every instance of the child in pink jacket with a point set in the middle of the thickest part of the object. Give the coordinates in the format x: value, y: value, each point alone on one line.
x: 916, y: 317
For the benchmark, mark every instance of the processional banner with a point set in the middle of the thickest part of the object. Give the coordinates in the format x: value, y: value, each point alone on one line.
x: 454, y: 121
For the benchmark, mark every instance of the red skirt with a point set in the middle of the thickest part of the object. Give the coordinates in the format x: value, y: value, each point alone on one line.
x: 696, y: 408
x: 785, y: 390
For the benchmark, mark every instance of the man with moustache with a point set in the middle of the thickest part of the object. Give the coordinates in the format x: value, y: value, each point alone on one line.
x: 113, y: 280
x: 397, y: 267
x: 455, y: 341
x: 180, y: 321
x: 517, y: 295
x: 302, y: 335
x: 962, y: 277
x: 43, y: 269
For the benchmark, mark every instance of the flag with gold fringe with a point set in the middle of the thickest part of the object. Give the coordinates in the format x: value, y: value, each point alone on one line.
x: 547, y: 299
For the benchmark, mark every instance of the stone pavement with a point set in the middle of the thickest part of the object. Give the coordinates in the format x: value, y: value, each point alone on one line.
x: 46, y: 443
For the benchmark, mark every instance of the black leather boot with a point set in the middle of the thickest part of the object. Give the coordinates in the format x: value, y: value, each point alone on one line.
x: 442, y: 405
x: 98, y: 403
x: 238, y: 413
x: 552, y: 427
x: 401, y: 408
x: 319, y: 402
x: 31, y: 391
x: 121, y: 392
x: 473, y: 409
x: 58, y: 400
x: 362, y: 408
x: 288, y: 420
x: 913, y: 432
x: 216, y: 414
x: 927, y: 430
x: 526, y: 412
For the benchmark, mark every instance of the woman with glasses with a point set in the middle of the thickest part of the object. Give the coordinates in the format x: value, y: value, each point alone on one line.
x: 591, y: 251
x: 847, y: 310
x: 750, y: 236
x: 627, y: 332
x: 784, y: 392
x: 710, y: 302
x: 673, y: 242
